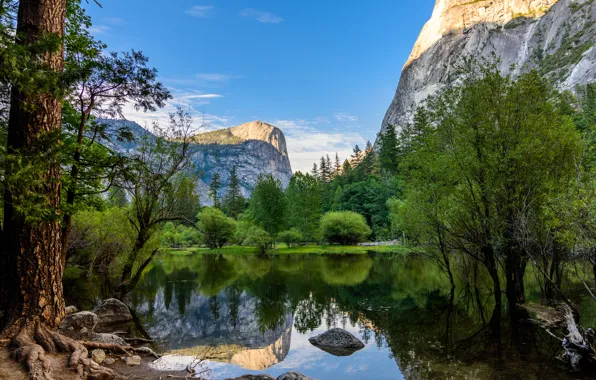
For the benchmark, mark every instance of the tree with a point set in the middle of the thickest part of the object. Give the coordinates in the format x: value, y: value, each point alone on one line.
x: 234, y: 202
x: 344, y: 227
x: 214, y: 187
x: 31, y: 285
x: 315, y: 171
x: 291, y: 237
x: 356, y: 156
x: 268, y: 204
x: 337, y: 168
x: 389, y: 150
x: 259, y: 238
x: 324, y: 173
x: 157, y: 182
x: 216, y: 229
x: 304, y: 204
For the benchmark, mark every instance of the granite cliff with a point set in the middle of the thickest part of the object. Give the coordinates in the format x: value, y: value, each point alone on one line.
x: 554, y: 37
x: 254, y: 148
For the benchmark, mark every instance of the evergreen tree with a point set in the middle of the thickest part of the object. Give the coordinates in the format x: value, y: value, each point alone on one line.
x: 337, y: 164
x: 214, y: 187
x: 337, y: 199
x: 233, y: 201
x: 268, y: 204
x: 324, y: 170
x: 329, y: 166
x: 389, y: 150
x: 304, y: 195
x: 315, y: 171
x: 356, y: 156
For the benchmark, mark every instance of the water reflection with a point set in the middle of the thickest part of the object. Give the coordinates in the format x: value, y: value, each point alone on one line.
x: 250, y: 313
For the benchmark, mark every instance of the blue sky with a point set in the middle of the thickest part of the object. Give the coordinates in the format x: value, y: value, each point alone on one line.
x: 324, y: 71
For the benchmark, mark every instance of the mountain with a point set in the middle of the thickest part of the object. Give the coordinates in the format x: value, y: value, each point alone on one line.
x: 554, y: 37
x: 254, y: 148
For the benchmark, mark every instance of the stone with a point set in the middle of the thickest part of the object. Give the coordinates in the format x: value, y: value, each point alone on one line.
x: 253, y: 377
x: 133, y: 360
x: 107, y: 338
x: 98, y: 356
x: 293, y: 376
x: 78, y: 325
x: 109, y: 361
x: 71, y: 310
x: 337, y: 342
x: 112, y: 311
x: 519, y: 32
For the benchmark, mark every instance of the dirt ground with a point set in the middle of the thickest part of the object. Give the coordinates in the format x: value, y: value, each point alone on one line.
x: 11, y: 370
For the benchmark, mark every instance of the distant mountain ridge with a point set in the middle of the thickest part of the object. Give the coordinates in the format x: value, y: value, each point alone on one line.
x: 254, y: 148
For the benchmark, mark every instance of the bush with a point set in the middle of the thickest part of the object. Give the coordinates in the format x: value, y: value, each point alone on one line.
x: 344, y: 227
x: 293, y: 237
x: 259, y: 238
x: 215, y: 228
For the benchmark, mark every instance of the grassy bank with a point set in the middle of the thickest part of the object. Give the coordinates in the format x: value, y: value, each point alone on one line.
x: 282, y: 249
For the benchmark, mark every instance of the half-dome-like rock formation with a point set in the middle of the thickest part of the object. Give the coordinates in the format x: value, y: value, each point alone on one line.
x: 554, y: 37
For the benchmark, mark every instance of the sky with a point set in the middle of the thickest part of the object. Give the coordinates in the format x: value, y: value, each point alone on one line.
x: 323, y: 71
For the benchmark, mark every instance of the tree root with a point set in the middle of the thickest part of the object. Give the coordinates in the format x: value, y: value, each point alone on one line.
x: 35, y: 340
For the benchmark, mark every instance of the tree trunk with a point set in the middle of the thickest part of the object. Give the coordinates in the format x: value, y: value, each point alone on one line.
x: 515, y: 268
x: 31, y: 259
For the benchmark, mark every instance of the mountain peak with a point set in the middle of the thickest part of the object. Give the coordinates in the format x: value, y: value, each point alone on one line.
x: 451, y: 16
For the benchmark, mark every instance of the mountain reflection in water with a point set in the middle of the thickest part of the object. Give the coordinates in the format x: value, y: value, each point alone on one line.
x: 252, y: 314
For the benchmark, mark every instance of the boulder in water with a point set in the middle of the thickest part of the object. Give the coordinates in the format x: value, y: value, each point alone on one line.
x: 293, y: 376
x: 112, y: 311
x: 337, y: 342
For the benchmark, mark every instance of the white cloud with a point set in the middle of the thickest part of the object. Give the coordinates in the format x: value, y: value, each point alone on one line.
x: 306, y: 144
x: 114, y: 21
x: 216, y: 77
x: 202, y: 96
x: 201, y: 11
x: 345, y: 117
x: 99, y: 29
x: 263, y: 17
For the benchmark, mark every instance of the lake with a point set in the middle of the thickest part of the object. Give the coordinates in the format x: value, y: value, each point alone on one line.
x: 247, y: 314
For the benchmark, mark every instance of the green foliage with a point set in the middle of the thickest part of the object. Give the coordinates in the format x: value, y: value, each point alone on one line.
x: 269, y: 205
x: 179, y: 236
x: 389, y: 151
x: 215, y: 228
x: 344, y: 227
x: 291, y: 238
x: 233, y: 202
x: 259, y: 238
x: 304, y: 205
x: 214, y: 187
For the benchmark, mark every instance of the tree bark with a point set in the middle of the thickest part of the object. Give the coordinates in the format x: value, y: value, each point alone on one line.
x: 31, y: 256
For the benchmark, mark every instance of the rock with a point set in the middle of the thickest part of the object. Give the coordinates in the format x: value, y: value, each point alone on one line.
x: 112, y: 311
x: 337, y: 342
x: 293, y: 376
x: 78, y: 325
x: 521, y: 33
x: 98, y: 356
x: 107, y: 338
x: 109, y: 361
x: 133, y: 360
x: 71, y: 310
x: 253, y: 377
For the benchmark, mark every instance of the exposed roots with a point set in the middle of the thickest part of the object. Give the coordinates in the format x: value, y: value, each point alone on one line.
x: 34, y: 341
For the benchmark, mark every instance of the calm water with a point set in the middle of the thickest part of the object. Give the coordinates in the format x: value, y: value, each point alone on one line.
x: 250, y: 314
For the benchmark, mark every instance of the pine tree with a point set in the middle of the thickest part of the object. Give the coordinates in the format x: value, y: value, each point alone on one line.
x: 356, y: 157
x: 315, y: 171
x: 214, y: 186
x: 389, y: 150
x: 329, y: 167
x: 233, y: 201
x: 337, y: 164
x: 324, y: 170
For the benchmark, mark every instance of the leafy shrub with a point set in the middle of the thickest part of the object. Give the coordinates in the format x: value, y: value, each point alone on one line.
x: 259, y: 238
x: 344, y: 227
x: 179, y: 236
x: 292, y: 237
x: 215, y: 228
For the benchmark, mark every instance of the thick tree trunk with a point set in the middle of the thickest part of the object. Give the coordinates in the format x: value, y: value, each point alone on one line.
x: 515, y: 269
x: 31, y: 258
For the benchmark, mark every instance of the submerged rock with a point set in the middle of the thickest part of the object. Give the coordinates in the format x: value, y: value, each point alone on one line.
x: 293, y: 376
x: 112, y: 311
x: 253, y: 377
x: 337, y: 342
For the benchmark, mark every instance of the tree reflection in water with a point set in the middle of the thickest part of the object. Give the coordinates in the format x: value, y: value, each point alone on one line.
x: 404, y: 304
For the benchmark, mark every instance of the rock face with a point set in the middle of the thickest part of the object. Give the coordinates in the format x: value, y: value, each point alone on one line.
x: 555, y: 37
x: 254, y: 148
x: 337, y: 342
